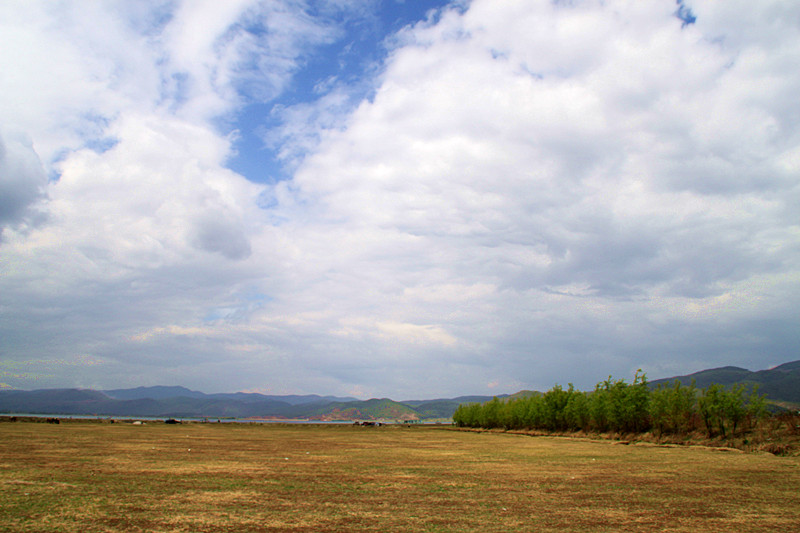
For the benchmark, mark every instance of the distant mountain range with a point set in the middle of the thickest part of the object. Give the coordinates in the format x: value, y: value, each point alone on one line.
x: 163, y: 393
x: 781, y: 385
x: 180, y: 402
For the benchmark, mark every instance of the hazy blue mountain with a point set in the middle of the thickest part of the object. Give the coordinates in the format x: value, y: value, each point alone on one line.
x: 62, y: 401
x: 162, y: 392
x: 89, y: 402
x: 172, y: 402
x: 291, y: 399
x: 154, y: 393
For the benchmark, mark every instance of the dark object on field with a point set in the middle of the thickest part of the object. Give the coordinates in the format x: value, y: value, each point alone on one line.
x: 171, y: 421
x: 53, y: 421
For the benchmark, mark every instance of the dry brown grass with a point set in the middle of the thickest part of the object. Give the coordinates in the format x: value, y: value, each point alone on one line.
x: 91, y: 477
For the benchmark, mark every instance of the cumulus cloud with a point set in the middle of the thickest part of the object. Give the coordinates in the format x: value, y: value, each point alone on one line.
x: 22, y: 180
x: 142, y: 213
x: 533, y: 193
x: 590, y: 164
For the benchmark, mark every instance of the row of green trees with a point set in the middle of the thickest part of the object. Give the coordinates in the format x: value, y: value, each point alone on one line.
x: 617, y: 406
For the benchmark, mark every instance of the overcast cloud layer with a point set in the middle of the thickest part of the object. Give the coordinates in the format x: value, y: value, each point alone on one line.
x: 507, y: 195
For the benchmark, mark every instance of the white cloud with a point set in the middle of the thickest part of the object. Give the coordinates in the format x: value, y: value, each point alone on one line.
x: 75, y: 66
x: 151, y: 229
x: 22, y: 180
x: 224, y: 53
x: 539, y: 147
x: 145, y: 201
x: 535, y: 193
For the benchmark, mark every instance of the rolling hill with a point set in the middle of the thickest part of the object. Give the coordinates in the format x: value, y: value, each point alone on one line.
x: 780, y: 384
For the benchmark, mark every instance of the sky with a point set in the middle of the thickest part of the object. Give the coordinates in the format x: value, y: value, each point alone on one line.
x: 405, y: 199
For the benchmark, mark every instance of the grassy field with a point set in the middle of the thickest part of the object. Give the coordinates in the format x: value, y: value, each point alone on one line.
x: 90, y: 476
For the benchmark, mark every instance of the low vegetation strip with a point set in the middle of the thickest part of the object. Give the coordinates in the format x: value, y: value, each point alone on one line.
x: 90, y: 476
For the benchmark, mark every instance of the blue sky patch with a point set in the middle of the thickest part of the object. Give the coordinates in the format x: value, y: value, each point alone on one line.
x: 684, y: 13
x: 349, y: 63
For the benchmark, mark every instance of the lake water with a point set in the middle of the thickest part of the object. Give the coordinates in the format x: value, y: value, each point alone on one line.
x: 180, y: 419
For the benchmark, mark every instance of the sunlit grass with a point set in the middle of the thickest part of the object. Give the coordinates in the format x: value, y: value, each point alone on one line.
x: 86, y: 476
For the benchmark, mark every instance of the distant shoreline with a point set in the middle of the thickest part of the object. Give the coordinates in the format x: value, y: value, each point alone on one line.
x: 7, y: 417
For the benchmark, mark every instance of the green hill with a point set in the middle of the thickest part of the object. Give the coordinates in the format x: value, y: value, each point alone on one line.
x: 780, y: 384
x: 375, y: 409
